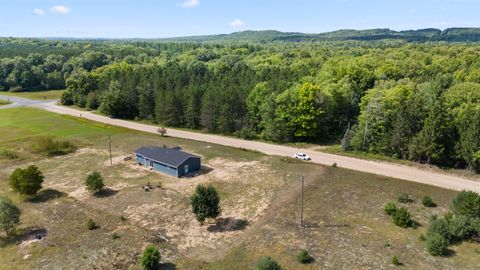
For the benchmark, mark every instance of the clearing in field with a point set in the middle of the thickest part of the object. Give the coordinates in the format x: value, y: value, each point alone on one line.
x: 260, y: 207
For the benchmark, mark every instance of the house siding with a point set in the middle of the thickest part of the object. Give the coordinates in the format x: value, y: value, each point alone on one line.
x: 194, y: 165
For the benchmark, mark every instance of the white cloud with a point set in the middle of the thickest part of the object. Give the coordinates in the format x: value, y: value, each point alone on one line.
x: 60, y: 10
x: 190, y: 3
x: 237, y: 23
x: 38, y: 11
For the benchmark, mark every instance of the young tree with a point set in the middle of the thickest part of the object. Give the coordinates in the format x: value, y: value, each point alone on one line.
x: 402, y: 218
x: 205, y: 203
x: 437, y: 245
x: 26, y: 181
x: 94, y: 182
x: 9, y: 215
x: 466, y: 203
x: 268, y: 263
x: 162, y: 131
x: 151, y: 258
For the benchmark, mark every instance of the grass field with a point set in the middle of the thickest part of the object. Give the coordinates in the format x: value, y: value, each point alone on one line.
x: 38, y: 95
x: 4, y: 102
x: 343, y: 209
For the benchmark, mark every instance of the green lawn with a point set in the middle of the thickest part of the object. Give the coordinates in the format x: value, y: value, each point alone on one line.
x: 343, y: 208
x: 4, y: 102
x: 38, y: 95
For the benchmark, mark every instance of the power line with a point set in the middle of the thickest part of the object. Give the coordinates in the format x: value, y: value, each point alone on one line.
x: 301, y: 213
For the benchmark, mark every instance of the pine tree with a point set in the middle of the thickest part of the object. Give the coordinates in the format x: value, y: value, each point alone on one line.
x: 432, y: 142
x: 469, y: 142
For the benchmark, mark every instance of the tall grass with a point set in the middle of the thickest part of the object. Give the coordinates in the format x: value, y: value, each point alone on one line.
x: 49, y: 147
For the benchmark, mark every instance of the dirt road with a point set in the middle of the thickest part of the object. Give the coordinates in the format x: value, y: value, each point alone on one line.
x: 381, y: 168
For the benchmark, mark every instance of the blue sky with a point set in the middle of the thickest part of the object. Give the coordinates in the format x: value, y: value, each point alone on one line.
x: 170, y: 18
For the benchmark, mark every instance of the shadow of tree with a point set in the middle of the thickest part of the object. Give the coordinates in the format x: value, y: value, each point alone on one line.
x: 228, y: 225
x: 26, y: 234
x: 106, y: 192
x: 47, y: 195
x: 168, y: 266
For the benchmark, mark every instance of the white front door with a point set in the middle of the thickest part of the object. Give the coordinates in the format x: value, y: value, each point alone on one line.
x: 185, y: 168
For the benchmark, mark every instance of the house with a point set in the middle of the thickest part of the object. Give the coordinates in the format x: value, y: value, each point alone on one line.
x: 172, y: 161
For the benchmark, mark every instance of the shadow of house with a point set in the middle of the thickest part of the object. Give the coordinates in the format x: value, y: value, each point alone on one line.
x: 228, y: 225
x: 47, y: 195
x: 203, y: 171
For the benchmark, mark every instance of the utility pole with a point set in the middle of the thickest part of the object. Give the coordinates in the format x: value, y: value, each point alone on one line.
x: 110, y: 148
x: 301, y: 213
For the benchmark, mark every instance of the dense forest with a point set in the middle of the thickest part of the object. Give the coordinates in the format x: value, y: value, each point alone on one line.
x: 410, y: 100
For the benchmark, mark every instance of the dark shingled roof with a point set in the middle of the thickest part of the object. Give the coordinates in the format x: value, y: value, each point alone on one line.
x: 169, y: 156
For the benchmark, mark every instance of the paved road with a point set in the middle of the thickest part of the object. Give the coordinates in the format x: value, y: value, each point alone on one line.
x: 22, y: 102
x: 381, y: 168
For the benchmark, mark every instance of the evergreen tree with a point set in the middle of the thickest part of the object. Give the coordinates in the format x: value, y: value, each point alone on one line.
x: 433, y: 142
x: 205, y: 203
x: 469, y: 143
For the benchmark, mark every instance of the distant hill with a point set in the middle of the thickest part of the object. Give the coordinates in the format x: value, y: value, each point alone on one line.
x: 421, y: 35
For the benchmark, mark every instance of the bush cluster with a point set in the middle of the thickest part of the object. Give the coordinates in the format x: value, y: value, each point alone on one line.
x: 461, y: 224
x: 400, y: 216
x: 49, y: 147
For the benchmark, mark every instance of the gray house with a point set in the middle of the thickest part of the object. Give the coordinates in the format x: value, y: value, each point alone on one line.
x: 172, y: 161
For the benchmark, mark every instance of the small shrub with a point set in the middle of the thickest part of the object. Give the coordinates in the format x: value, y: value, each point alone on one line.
x: 404, y: 198
x: 49, y: 147
x: 304, y: 258
x: 122, y: 218
x: 94, y: 182
x: 91, y: 225
x: 439, y: 226
x: 437, y: 245
x: 151, y: 258
x: 334, y: 165
x: 390, y: 208
x: 268, y: 263
x: 387, y: 244
x: 115, y: 236
x: 7, y: 154
x: 428, y: 202
x: 459, y: 228
x: 402, y: 218
x: 466, y: 203
x: 422, y: 237
x: 395, y: 260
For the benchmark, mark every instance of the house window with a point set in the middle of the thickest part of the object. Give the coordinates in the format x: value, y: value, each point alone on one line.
x: 185, y: 168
